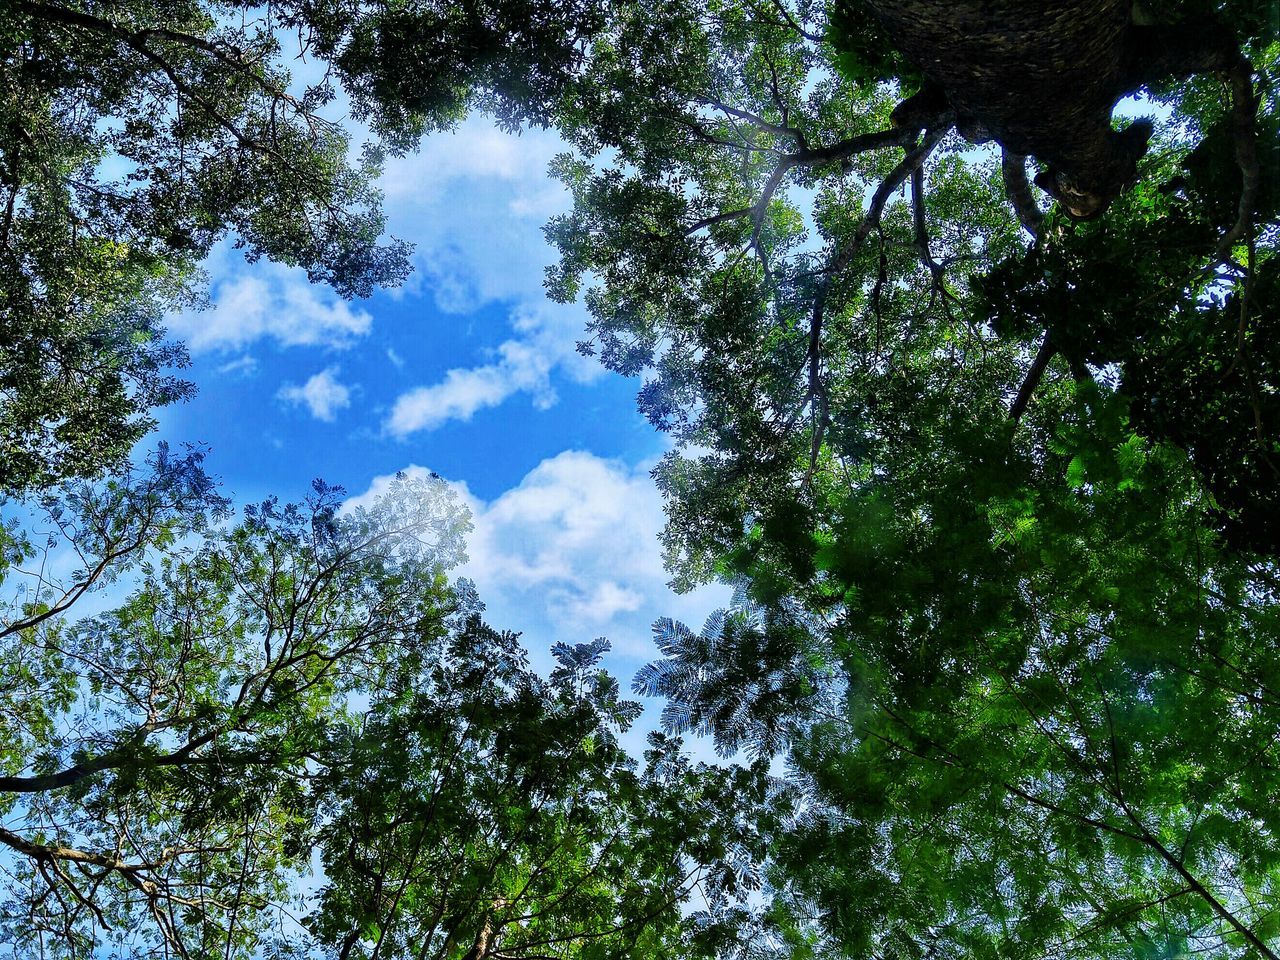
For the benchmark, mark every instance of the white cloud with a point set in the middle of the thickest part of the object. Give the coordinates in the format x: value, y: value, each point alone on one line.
x: 602, y: 603
x: 252, y: 302
x: 475, y: 151
x: 244, y: 365
x: 572, y: 552
x: 545, y: 340
x: 323, y: 395
x: 473, y: 202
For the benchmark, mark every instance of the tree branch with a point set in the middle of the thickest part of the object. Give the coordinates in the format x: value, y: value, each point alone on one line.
x: 111, y: 760
x: 914, y: 159
x: 922, y: 227
x: 1244, y: 106
x: 1033, y: 378
x: 1013, y: 167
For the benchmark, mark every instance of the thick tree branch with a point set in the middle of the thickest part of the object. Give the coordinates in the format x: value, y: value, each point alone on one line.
x: 1244, y: 106
x: 1013, y: 168
x: 49, y: 853
x: 805, y: 157
x: 111, y: 760
x: 718, y: 218
x: 1038, y: 366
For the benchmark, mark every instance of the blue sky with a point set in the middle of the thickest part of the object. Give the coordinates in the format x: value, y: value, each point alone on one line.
x: 467, y: 370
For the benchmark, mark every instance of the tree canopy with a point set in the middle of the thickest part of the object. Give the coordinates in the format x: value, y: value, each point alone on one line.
x: 134, y: 136
x: 304, y: 688
x: 992, y: 458
x: 1000, y: 486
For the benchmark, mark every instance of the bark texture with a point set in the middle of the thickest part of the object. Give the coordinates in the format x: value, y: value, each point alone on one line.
x: 1041, y: 77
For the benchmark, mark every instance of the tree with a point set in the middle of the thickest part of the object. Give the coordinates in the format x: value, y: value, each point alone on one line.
x: 1001, y: 484
x: 132, y: 137
x: 158, y: 756
x: 1023, y: 718
x: 305, y: 687
x: 483, y: 812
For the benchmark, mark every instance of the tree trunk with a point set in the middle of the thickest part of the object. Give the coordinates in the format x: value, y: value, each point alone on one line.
x: 1041, y: 77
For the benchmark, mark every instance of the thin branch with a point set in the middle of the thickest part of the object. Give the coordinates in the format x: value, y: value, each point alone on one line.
x: 794, y: 24
x: 755, y: 120
x: 922, y: 227
x: 905, y: 168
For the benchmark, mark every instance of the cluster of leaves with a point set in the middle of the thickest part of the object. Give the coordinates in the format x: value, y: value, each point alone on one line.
x: 1022, y: 669
x: 481, y: 810
x: 865, y: 54
x: 305, y: 686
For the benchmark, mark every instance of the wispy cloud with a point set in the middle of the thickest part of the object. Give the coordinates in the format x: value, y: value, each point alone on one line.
x: 244, y: 365
x: 476, y: 150
x: 322, y: 394
x: 545, y: 340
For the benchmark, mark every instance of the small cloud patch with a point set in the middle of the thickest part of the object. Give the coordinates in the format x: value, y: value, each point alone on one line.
x: 322, y: 395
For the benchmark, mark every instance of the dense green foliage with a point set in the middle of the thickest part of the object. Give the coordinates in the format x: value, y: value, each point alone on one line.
x: 482, y: 810
x: 132, y: 137
x: 998, y: 488
x: 1023, y: 669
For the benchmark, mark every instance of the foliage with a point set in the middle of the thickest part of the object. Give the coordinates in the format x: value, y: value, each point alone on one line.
x: 482, y: 811
x: 1044, y: 724
x: 999, y: 488
x: 1003, y: 509
x: 158, y: 755
x: 865, y: 54
x: 740, y: 680
x: 304, y: 689
x: 81, y: 356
